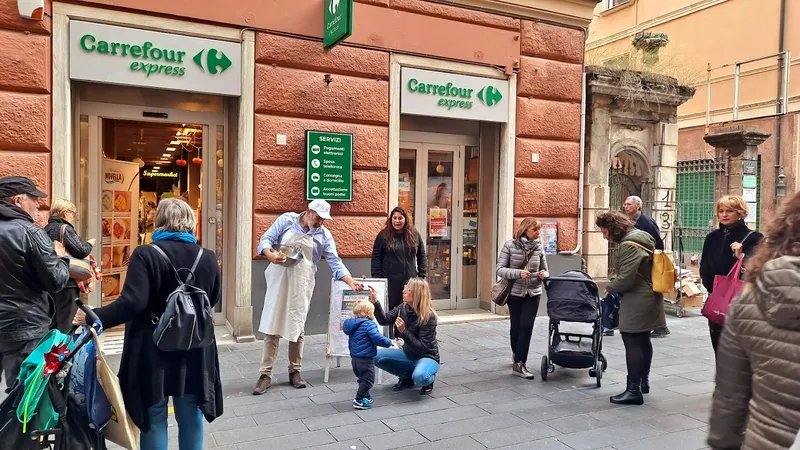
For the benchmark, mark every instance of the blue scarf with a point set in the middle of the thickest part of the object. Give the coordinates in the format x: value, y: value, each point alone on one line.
x: 174, y: 236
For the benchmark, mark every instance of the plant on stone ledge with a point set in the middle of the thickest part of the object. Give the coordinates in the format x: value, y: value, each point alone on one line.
x: 650, y: 43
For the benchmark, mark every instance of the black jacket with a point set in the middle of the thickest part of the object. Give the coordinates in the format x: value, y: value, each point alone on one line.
x: 30, y: 270
x: 398, y: 261
x: 718, y: 258
x: 72, y: 242
x: 648, y: 224
x: 419, y: 341
x: 146, y: 374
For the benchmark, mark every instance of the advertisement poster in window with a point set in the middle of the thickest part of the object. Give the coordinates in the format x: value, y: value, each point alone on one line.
x: 548, y: 236
x: 438, y: 222
x: 119, y: 206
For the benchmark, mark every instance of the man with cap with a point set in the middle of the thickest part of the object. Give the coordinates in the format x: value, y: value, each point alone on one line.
x: 290, y: 284
x: 31, y: 268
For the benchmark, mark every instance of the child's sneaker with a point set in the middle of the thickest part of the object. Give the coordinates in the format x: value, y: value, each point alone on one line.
x: 365, y: 403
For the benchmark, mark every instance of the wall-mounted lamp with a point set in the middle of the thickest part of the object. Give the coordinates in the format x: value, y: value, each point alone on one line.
x: 780, y: 186
x: 31, y: 9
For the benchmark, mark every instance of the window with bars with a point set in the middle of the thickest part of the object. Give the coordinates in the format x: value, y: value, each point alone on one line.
x: 696, y: 197
x: 613, y: 3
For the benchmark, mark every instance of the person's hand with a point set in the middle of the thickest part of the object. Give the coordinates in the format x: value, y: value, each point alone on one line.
x: 92, y: 242
x: 544, y: 274
x: 80, y: 317
x: 357, y: 286
x: 737, y: 249
x: 276, y: 257
x: 400, y: 324
x: 524, y: 274
x: 373, y: 295
x: 59, y: 247
x: 605, y: 293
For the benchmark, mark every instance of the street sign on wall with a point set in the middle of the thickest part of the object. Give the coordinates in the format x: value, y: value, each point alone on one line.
x: 442, y: 94
x: 329, y: 166
x: 132, y: 57
x: 338, y: 21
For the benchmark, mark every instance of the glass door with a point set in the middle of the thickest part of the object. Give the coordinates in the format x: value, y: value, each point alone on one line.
x: 180, y: 155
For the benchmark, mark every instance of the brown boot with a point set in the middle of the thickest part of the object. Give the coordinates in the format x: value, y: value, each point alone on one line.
x: 296, y: 380
x: 263, y: 383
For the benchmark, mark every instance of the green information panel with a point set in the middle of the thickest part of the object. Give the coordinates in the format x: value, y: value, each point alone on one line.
x: 338, y: 22
x: 329, y: 166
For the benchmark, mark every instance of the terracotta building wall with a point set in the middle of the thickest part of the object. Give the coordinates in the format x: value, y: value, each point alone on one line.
x: 25, y: 101
x: 548, y: 123
x: 291, y: 97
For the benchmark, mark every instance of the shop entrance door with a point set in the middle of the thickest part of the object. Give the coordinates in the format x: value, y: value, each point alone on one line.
x: 434, y: 180
x: 156, y: 153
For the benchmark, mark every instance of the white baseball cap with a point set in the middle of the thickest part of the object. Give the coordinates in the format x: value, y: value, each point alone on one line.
x: 322, y: 208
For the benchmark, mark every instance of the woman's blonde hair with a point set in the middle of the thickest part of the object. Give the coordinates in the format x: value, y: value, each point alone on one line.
x: 60, y: 206
x: 421, y: 293
x: 527, y: 223
x: 733, y: 202
x: 176, y: 215
x: 364, y: 309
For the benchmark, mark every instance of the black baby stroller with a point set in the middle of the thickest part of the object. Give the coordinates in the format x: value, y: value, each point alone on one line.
x: 573, y: 297
x: 40, y: 413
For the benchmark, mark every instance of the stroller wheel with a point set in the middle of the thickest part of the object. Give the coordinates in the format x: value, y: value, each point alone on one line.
x: 603, y: 360
x: 598, y: 374
x: 545, y: 367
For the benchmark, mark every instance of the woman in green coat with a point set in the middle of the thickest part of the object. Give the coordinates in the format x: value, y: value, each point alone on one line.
x: 640, y: 309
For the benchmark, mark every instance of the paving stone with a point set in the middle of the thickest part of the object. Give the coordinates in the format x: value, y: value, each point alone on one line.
x: 626, y: 415
x: 291, y: 442
x: 541, y: 444
x: 575, y: 424
x: 294, y: 414
x: 394, y: 440
x: 330, y: 421
x: 469, y: 426
x: 354, y: 444
x: 696, y: 388
x: 434, y: 417
x: 259, y: 432
x: 420, y: 404
x: 460, y: 443
x: 514, y: 435
x: 359, y: 430
x: 515, y: 405
x: 676, y: 422
x: 269, y: 406
x: 496, y: 395
x: 683, y: 440
x: 610, y: 436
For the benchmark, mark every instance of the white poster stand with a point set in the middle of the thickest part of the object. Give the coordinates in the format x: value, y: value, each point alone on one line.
x: 337, y: 341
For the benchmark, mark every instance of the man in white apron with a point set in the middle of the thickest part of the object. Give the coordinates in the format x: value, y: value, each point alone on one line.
x: 289, y: 289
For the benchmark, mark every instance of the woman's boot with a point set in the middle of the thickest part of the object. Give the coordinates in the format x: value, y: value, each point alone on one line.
x: 632, y: 396
x: 646, y: 383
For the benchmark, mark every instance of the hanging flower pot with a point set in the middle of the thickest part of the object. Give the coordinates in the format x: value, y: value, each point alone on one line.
x: 197, y: 160
x: 181, y: 162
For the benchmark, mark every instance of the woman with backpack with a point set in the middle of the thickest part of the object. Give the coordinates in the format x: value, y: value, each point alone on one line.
x: 724, y: 246
x: 641, y: 310
x: 149, y: 376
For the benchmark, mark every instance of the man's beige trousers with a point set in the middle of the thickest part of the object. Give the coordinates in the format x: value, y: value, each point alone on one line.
x: 271, y: 354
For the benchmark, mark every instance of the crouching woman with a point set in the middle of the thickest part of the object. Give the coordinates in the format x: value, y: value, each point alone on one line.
x: 418, y: 361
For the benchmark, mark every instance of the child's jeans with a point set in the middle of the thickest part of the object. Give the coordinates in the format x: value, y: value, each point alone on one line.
x: 364, y: 368
x: 190, y: 425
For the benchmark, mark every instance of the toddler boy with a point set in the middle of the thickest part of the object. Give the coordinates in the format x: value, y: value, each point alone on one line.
x: 363, y: 342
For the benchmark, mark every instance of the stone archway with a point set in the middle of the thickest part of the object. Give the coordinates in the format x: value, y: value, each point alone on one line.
x: 627, y: 176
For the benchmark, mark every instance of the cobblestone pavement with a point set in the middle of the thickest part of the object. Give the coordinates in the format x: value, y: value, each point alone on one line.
x: 476, y: 403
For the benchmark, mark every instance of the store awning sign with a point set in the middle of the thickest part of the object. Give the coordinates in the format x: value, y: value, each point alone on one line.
x: 132, y: 57
x: 329, y: 166
x: 442, y: 94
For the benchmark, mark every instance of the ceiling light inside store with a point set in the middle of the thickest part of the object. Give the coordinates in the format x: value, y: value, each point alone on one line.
x: 170, y: 149
x: 165, y: 155
x: 156, y: 167
x: 174, y: 143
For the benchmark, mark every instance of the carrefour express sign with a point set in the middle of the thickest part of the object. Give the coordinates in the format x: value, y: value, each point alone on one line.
x: 129, y: 56
x: 441, y: 94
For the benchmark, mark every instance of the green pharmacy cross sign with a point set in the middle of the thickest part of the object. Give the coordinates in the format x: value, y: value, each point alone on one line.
x: 329, y: 166
x: 338, y: 23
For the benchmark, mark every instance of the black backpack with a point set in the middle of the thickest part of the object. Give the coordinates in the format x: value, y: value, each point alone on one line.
x: 187, y: 322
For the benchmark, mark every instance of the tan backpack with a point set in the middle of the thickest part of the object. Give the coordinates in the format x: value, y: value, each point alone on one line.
x: 663, y: 272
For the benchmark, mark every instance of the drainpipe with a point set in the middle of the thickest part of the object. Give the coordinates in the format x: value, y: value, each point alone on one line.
x: 780, y: 188
x: 582, y: 159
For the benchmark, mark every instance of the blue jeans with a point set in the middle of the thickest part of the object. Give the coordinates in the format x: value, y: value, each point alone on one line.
x: 190, y: 425
x: 395, y: 361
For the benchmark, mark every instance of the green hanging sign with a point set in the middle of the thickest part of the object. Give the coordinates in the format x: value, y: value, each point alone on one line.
x: 338, y: 22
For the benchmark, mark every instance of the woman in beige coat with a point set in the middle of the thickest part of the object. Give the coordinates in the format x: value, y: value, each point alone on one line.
x: 757, y: 398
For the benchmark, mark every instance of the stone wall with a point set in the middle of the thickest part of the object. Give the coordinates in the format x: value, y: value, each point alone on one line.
x: 25, y: 87
x: 549, y: 124
x: 291, y: 97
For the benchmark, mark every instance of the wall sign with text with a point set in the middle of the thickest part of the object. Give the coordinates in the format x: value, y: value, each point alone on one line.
x: 132, y: 57
x: 442, y: 94
x: 329, y: 166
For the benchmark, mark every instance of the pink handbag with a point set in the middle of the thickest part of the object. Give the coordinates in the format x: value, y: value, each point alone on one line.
x: 726, y: 288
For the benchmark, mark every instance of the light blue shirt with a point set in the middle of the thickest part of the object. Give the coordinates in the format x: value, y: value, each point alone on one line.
x: 324, y: 246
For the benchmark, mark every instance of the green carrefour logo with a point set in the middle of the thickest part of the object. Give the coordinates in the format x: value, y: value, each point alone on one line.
x: 216, y: 61
x: 490, y: 95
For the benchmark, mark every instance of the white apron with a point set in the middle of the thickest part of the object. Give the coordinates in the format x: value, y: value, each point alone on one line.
x: 289, y: 291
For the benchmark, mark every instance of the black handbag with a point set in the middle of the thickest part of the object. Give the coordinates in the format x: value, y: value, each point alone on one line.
x: 501, y: 289
x: 187, y: 322
x: 610, y: 311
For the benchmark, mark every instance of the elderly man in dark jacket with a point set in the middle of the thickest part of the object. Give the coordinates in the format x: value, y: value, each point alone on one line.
x: 633, y: 208
x: 31, y: 268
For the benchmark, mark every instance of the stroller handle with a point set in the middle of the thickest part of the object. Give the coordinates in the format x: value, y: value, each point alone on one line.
x: 91, y: 317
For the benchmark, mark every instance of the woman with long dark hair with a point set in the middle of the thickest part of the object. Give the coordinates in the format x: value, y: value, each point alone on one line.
x: 757, y: 389
x: 398, y: 255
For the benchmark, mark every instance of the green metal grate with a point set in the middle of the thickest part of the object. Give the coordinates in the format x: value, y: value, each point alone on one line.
x: 695, y: 193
